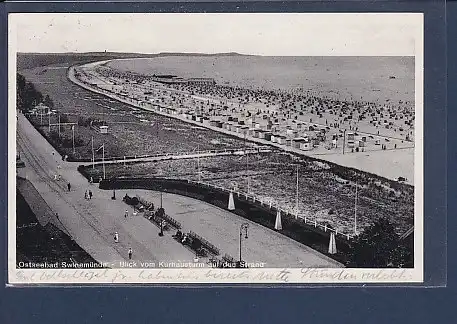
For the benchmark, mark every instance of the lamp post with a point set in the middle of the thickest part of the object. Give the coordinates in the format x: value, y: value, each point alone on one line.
x: 161, y: 227
x: 296, y: 195
x: 93, y: 154
x: 103, y: 162
x: 243, y: 227
x: 161, y: 198
x: 344, y: 139
x: 73, y: 140
x: 355, y: 208
x: 198, y: 164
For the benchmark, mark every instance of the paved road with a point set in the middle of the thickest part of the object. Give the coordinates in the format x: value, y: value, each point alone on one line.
x: 91, y: 223
x: 222, y: 229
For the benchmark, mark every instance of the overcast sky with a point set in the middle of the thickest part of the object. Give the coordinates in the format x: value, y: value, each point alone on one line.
x: 263, y: 34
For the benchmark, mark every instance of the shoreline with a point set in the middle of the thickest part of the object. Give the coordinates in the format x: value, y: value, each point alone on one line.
x: 330, y: 157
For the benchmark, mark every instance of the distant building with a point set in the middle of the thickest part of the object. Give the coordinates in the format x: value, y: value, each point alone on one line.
x: 41, y: 109
x: 172, y: 79
x: 202, y: 81
x: 103, y: 129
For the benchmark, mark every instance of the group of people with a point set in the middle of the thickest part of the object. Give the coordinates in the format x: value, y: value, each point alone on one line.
x: 88, y: 194
x: 182, y: 237
x: 292, y: 102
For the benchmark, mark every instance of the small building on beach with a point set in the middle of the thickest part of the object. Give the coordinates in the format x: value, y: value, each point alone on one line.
x: 306, y: 145
x: 280, y: 139
x: 299, y: 141
x: 244, y: 130
x: 267, y: 136
x: 350, y: 140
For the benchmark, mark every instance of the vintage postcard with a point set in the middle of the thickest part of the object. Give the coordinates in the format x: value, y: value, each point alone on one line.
x: 215, y: 148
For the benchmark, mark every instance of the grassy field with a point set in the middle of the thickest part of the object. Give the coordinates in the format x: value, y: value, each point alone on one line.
x: 326, y: 192
x: 131, y: 132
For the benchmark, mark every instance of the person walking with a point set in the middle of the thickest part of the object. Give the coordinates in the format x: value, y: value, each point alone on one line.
x: 126, y: 213
x: 90, y: 194
x: 85, y: 194
x: 130, y: 253
x: 69, y: 186
x: 116, y: 237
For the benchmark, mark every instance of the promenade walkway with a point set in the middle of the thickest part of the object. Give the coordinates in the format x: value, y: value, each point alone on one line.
x: 91, y: 223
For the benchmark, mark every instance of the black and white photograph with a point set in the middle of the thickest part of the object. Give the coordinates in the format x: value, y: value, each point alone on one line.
x: 215, y: 148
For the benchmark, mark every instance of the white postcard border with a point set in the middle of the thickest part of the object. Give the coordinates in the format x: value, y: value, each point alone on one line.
x: 213, y: 275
